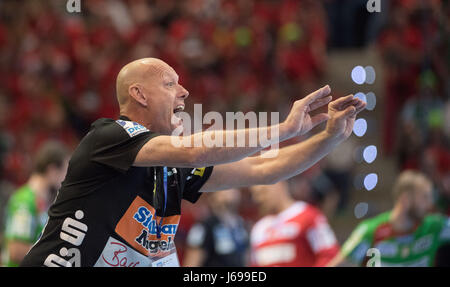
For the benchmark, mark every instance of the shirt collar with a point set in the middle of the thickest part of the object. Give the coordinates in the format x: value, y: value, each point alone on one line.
x: 125, y: 118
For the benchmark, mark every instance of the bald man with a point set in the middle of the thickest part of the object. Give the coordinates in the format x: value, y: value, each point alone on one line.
x: 119, y: 204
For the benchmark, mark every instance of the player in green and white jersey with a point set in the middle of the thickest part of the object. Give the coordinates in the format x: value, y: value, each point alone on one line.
x: 408, y: 235
x: 26, y: 211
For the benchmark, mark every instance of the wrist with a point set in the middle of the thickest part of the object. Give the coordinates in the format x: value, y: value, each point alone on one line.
x: 285, y: 131
x: 331, y: 138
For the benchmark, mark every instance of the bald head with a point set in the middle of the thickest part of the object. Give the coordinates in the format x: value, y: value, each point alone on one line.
x: 138, y: 72
x: 149, y: 92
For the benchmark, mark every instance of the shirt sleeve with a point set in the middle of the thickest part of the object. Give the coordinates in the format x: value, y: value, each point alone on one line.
x: 356, y: 246
x: 195, y: 179
x: 117, y: 143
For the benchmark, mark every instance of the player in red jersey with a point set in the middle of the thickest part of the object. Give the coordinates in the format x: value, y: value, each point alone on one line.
x: 294, y: 234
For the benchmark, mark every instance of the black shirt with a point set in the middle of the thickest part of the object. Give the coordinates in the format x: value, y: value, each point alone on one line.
x: 107, y: 211
x: 224, y: 244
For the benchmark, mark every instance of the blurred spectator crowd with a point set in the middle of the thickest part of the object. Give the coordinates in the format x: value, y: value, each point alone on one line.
x: 415, y: 48
x: 58, y: 69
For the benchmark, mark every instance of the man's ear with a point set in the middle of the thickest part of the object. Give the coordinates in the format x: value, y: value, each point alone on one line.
x: 136, y: 92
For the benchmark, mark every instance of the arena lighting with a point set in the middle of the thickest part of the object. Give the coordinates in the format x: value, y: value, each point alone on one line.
x: 361, y: 96
x: 370, y: 181
x: 370, y: 75
x: 359, y: 75
x: 361, y: 209
x: 371, y: 101
x: 360, y: 127
x: 370, y: 153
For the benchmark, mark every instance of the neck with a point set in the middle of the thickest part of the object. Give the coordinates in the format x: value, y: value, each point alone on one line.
x: 284, y: 204
x: 400, y: 219
x: 139, y: 115
x: 136, y: 116
x: 40, y: 185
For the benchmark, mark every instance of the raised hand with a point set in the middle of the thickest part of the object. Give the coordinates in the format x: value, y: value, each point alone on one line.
x: 299, y: 120
x: 342, y: 114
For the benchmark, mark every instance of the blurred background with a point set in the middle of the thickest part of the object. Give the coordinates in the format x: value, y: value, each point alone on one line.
x: 58, y: 69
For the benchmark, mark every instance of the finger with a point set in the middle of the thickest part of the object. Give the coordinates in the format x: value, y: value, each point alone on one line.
x: 360, y: 106
x: 320, y: 93
x: 319, y: 103
x: 339, y: 104
x: 348, y: 112
x: 354, y: 102
x: 319, y: 118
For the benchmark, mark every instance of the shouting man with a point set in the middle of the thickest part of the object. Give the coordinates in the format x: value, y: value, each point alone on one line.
x: 119, y: 204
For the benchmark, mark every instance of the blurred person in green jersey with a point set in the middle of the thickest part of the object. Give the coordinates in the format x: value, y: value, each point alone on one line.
x: 26, y: 211
x: 407, y: 235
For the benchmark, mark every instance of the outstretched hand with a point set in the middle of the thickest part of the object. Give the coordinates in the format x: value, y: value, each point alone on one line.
x: 342, y: 114
x: 299, y: 120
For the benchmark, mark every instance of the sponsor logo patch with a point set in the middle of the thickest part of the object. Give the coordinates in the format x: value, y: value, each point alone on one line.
x: 138, y: 227
x: 132, y: 128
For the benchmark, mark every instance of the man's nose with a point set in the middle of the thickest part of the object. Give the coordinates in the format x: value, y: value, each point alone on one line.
x: 183, y: 93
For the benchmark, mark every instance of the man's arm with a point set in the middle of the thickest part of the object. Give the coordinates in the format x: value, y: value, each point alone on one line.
x: 165, y: 150
x: 161, y: 150
x: 291, y: 160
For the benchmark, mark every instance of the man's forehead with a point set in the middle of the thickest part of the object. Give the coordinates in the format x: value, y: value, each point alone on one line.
x: 171, y: 74
x: 158, y: 67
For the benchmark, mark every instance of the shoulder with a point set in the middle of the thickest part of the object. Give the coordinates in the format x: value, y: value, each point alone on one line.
x: 313, y: 213
x: 436, y: 221
x: 262, y: 224
x: 111, y: 127
x: 105, y: 133
x: 130, y: 127
x: 22, y: 197
x: 307, y: 214
x: 368, y: 226
x: 106, y: 125
x: 197, y: 234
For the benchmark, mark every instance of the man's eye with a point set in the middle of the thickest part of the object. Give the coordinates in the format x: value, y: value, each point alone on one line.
x: 171, y: 84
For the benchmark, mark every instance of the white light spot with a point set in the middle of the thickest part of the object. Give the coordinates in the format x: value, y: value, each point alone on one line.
x: 371, y: 101
x: 361, y: 96
x: 370, y: 75
x: 370, y: 153
x: 370, y: 181
x: 361, y: 209
x: 359, y: 75
x: 360, y: 127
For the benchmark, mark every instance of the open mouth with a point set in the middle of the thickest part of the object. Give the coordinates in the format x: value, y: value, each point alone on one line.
x: 178, y: 109
x: 176, y: 118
